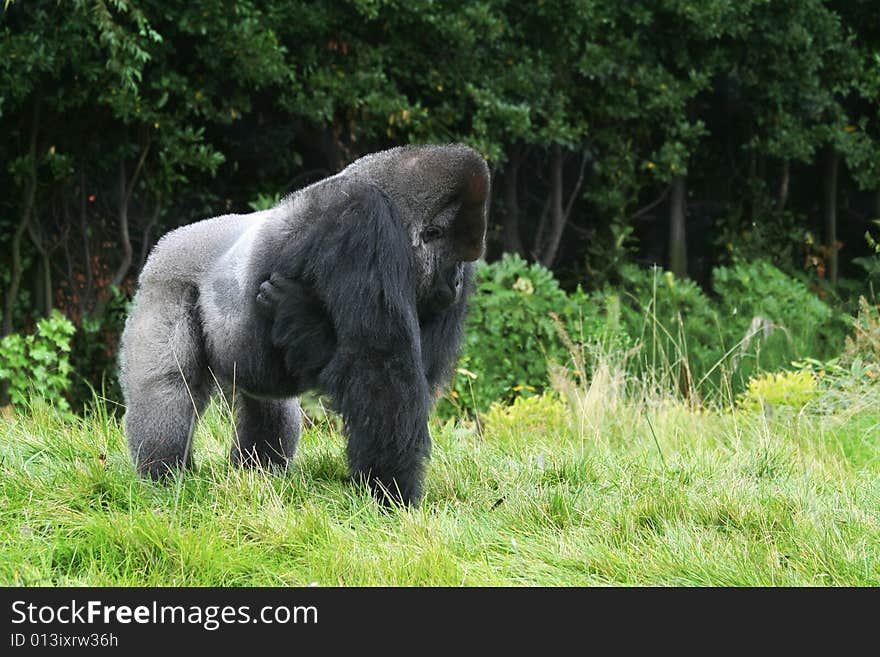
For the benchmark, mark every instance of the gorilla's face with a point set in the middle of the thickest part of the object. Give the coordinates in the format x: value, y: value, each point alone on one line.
x: 442, y: 193
x: 443, y: 267
x: 446, y: 290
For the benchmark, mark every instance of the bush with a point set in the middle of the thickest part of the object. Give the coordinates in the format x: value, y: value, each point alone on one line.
x: 512, y: 332
x: 94, y: 350
x: 773, y: 318
x: 509, y: 333
x: 38, y: 364
x: 856, y: 372
x: 871, y: 264
x: 521, y: 319
x: 527, y: 416
x: 782, y: 390
x: 759, y: 319
x: 864, y: 344
x: 672, y: 320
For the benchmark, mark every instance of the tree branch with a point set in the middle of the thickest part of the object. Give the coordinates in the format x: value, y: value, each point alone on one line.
x: 653, y: 204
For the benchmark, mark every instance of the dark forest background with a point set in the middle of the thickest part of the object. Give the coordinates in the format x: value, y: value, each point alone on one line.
x: 684, y: 134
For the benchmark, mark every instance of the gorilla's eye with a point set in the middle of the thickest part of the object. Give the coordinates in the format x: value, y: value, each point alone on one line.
x: 432, y: 233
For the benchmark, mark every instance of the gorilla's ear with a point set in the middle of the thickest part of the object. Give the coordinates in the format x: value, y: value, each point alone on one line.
x: 469, y: 226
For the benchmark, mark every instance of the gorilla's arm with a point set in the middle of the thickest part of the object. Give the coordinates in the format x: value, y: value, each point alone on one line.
x: 301, y: 328
x: 441, y: 336
x: 358, y: 263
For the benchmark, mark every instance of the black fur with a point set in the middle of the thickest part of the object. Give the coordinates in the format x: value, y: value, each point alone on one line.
x: 360, y: 340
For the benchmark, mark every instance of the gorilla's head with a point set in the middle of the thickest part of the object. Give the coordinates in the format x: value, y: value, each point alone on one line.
x: 442, y: 193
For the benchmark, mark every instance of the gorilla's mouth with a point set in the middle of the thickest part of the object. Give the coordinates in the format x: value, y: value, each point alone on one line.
x: 440, y: 301
x: 444, y: 292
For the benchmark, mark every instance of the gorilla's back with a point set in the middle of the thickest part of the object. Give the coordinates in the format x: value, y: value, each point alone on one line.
x: 185, y: 254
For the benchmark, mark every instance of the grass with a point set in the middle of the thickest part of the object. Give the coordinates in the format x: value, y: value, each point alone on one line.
x: 601, y: 489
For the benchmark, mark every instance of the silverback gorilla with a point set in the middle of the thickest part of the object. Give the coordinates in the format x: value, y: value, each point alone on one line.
x: 355, y: 286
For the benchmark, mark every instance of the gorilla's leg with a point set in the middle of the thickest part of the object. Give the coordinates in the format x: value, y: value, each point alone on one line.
x: 267, y: 431
x: 162, y: 378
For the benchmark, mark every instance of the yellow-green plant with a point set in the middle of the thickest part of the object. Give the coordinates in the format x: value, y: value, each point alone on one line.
x: 526, y: 415
x: 779, y: 390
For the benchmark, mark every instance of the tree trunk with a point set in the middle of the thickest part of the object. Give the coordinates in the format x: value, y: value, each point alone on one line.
x: 42, y: 287
x: 124, y: 237
x: 832, y: 164
x: 27, y: 208
x: 782, y: 199
x: 538, y: 244
x: 86, y: 296
x: 146, y: 241
x: 677, y: 229
x: 44, y: 272
x: 557, y: 214
x: 126, y: 188
x: 44, y: 282
x: 510, y: 237
x: 751, y: 213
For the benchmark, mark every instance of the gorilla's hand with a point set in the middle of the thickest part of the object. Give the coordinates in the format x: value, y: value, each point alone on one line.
x: 272, y: 291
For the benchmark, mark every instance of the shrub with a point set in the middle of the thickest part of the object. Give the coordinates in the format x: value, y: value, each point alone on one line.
x: 672, y: 320
x: 94, y: 350
x: 521, y: 320
x: 760, y: 319
x: 856, y: 372
x: 781, y: 390
x: 871, y: 264
x: 788, y: 320
x: 38, y: 364
x: 527, y: 416
x: 511, y: 333
x: 865, y: 341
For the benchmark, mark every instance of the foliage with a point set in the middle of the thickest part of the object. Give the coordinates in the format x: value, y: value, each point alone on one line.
x: 871, y: 264
x: 845, y: 384
x: 512, y: 332
x: 264, y: 201
x: 758, y: 319
x: 93, y: 354
x: 126, y: 119
x: 38, y: 365
x: 676, y: 334
x: 772, y: 318
x: 780, y: 237
x: 771, y: 392
x: 855, y: 373
x: 526, y: 415
x: 865, y: 341
x: 672, y: 320
x: 509, y: 332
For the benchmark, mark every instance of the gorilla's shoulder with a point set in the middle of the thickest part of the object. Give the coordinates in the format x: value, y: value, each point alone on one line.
x: 346, y: 198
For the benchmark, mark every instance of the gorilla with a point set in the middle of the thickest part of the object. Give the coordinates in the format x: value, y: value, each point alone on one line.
x: 355, y: 286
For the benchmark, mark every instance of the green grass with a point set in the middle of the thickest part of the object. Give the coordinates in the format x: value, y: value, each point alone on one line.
x: 537, y: 494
